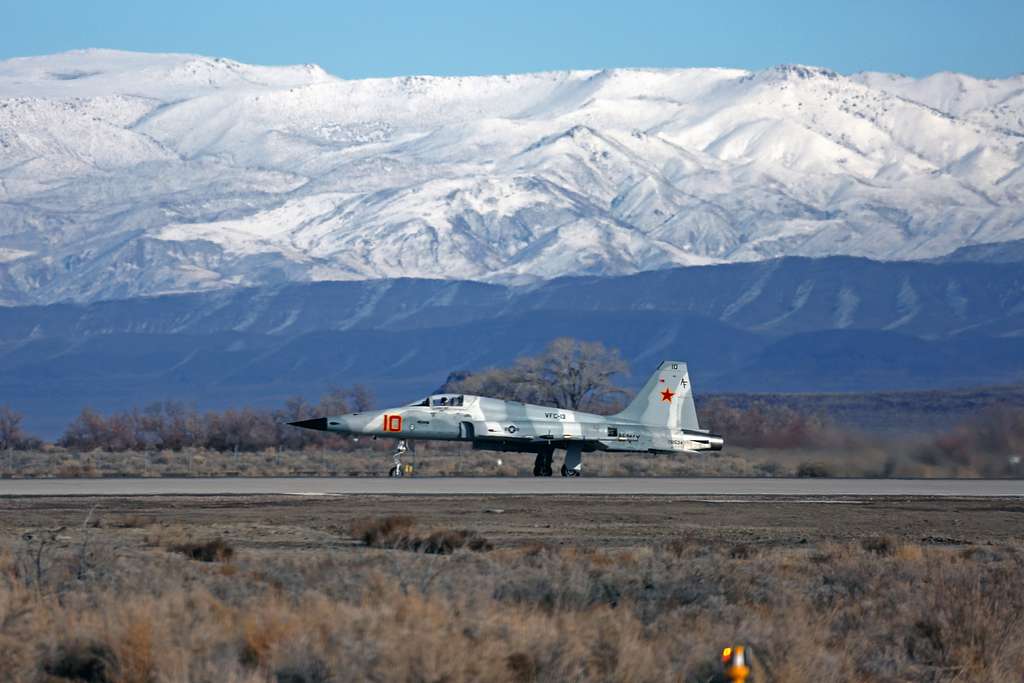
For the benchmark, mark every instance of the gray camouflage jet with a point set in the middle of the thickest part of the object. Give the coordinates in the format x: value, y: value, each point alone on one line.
x: 661, y: 419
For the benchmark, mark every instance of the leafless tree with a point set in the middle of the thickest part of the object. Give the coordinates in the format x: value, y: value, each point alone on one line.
x: 361, y: 397
x: 11, y: 435
x: 87, y: 431
x: 569, y: 374
x: 576, y: 373
x: 334, y: 402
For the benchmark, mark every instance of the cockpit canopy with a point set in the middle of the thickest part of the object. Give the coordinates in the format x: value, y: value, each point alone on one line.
x: 442, y: 401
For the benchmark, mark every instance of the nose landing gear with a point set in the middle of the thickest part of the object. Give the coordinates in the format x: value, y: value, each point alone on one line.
x: 399, y: 470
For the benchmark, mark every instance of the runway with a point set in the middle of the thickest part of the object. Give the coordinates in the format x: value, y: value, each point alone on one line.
x: 557, y: 486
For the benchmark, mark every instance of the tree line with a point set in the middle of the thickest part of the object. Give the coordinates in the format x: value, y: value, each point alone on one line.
x: 569, y: 373
x: 581, y: 375
x: 175, y: 425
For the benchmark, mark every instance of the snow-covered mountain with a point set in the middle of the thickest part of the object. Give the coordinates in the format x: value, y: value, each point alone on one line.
x: 125, y: 174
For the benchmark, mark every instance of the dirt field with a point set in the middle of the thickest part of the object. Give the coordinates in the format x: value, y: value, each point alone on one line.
x: 537, y: 588
x: 313, y: 523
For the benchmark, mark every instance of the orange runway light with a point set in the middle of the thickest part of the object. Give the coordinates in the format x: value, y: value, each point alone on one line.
x: 734, y: 663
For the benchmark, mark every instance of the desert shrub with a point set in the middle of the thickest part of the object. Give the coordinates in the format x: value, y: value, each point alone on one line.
x: 398, y: 532
x: 966, y: 622
x: 522, y: 667
x: 988, y: 444
x: 82, y: 660
x: 742, y: 551
x: 443, y: 542
x: 215, y: 550
x: 814, y: 470
x: 131, y: 521
x: 382, y: 531
x: 879, y: 545
x: 766, y: 425
x: 307, y: 669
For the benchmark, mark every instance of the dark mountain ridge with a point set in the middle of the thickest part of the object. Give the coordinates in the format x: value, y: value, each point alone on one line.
x: 793, y: 324
x: 777, y: 297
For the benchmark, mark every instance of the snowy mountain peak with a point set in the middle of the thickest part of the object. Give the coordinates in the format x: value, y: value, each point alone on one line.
x: 166, y: 77
x: 796, y: 72
x: 125, y: 174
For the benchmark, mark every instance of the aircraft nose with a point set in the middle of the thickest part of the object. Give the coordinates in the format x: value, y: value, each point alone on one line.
x: 319, y: 423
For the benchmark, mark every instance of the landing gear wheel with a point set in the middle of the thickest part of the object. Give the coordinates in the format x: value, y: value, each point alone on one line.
x: 569, y: 473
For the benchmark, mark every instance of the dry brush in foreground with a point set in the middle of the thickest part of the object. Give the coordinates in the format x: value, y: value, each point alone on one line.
x: 133, y: 604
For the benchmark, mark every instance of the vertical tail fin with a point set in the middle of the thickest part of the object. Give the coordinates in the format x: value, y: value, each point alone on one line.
x: 666, y: 400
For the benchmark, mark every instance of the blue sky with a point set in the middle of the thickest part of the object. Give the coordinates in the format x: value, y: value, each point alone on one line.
x: 382, y: 38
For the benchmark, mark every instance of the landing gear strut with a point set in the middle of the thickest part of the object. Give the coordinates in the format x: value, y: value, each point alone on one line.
x: 398, y: 470
x: 542, y: 463
x: 573, y: 465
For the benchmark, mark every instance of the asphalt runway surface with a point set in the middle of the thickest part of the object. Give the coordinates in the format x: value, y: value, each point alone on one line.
x: 696, y: 487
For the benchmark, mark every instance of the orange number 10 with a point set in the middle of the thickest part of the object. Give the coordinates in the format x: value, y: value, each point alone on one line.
x: 392, y: 423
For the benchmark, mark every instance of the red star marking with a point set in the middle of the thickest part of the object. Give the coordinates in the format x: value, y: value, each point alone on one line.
x: 667, y: 395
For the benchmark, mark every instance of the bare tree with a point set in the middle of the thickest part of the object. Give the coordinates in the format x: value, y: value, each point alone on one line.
x: 361, y: 397
x: 11, y: 435
x: 506, y: 383
x: 334, y: 402
x: 569, y: 374
x: 576, y: 373
x: 87, y: 431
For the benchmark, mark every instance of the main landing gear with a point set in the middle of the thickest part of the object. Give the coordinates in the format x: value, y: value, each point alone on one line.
x: 399, y: 470
x: 572, y: 467
x: 542, y: 463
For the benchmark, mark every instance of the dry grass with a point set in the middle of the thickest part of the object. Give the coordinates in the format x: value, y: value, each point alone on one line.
x: 454, y: 460
x: 878, y: 608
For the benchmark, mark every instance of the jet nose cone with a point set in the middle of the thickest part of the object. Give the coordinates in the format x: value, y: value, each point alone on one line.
x: 319, y: 423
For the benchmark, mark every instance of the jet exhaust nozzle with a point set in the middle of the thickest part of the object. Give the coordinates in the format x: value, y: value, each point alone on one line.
x: 318, y: 423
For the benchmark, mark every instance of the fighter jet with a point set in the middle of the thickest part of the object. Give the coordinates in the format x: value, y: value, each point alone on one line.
x: 661, y: 419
